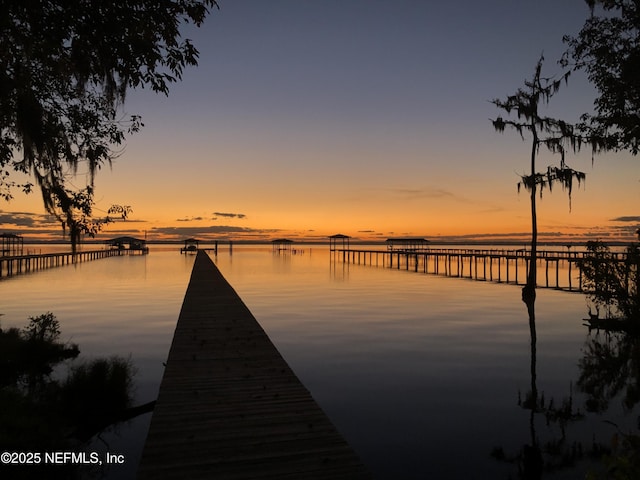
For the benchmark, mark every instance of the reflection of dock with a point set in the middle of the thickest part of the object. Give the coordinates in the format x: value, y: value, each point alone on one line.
x: 18, y: 264
x: 555, y: 269
x: 229, y: 406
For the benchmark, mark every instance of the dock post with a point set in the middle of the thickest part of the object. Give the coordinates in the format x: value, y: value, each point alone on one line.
x: 507, y: 263
x: 580, y: 280
x: 546, y: 271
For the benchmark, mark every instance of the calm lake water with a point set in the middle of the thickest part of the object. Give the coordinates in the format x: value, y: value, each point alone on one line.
x: 421, y: 373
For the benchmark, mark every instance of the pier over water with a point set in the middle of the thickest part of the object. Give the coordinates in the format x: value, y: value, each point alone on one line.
x: 13, y: 260
x: 229, y: 406
x: 19, y: 264
x: 556, y: 269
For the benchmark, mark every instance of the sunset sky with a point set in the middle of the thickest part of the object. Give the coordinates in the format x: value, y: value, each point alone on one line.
x: 369, y: 118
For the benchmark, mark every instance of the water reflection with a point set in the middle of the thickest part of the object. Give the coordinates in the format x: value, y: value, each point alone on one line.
x: 609, y: 370
x: 413, y: 369
x: 557, y: 451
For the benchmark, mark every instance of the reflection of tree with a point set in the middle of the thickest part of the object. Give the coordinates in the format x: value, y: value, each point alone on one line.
x: 42, y: 413
x: 536, y: 457
x: 610, y: 366
x: 554, y: 453
x: 532, y: 463
x: 610, y: 369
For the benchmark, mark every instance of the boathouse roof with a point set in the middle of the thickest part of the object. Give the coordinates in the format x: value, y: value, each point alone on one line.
x: 132, y: 242
x: 407, y: 239
x: 12, y: 244
x: 126, y: 240
x: 406, y: 243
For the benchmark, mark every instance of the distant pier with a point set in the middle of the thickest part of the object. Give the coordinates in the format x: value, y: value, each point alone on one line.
x: 556, y: 269
x: 20, y: 264
x: 229, y: 406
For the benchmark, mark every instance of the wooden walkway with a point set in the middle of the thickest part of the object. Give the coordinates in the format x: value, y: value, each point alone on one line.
x: 558, y: 270
x: 19, y: 264
x: 229, y: 406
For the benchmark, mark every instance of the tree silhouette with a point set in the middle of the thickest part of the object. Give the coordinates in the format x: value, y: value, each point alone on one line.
x: 556, y: 135
x: 42, y: 410
x: 65, y: 69
x: 608, y: 50
x: 612, y: 283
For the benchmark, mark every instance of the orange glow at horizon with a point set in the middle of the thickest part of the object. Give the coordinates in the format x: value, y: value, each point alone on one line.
x: 211, y: 205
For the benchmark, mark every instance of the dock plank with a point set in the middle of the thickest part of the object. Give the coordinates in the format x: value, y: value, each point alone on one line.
x: 229, y: 405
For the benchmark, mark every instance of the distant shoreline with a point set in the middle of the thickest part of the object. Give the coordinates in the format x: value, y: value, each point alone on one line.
x: 432, y: 243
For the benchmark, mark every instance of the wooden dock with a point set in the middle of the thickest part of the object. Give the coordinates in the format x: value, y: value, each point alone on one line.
x: 558, y: 270
x: 19, y: 264
x: 229, y: 406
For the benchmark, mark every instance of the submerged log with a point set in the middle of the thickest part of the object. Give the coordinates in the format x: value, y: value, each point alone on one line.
x: 100, y: 423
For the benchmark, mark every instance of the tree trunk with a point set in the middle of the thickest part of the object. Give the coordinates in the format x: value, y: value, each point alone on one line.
x: 529, y: 290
